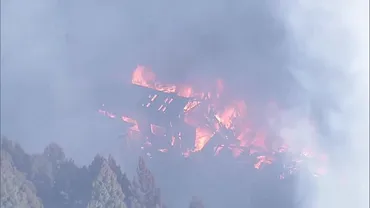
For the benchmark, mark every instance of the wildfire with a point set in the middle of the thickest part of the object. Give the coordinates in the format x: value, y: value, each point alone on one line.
x: 202, y: 136
x: 211, y: 119
x: 145, y: 77
x: 132, y: 122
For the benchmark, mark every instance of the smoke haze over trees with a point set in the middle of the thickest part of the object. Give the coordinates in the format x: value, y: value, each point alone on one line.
x: 52, y: 180
x: 60, y: 60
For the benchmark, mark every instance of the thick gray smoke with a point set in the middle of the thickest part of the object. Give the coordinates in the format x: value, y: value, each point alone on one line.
x: 61, y: 59
x: 332, y: 38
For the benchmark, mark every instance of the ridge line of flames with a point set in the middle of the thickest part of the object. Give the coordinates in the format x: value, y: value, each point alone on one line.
x: 218, y: 116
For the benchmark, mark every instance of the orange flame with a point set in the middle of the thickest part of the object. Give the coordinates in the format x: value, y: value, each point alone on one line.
x: 157, y: 130
x: 145, y: 77
x: 133, y: 122
x: 210, y: 116
x: 203, y: 135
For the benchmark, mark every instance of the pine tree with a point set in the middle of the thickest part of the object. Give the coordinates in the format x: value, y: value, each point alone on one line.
x: 16, y: 190
x: 51, y: 180
x: 149, y: 194
x: 106, y: 191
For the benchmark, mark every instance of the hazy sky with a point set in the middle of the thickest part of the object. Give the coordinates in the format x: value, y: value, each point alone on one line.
x: 61, y: 59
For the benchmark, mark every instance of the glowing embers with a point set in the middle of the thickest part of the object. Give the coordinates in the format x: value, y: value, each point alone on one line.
x: 202, y: 136
x: 221, y: 124
x: 160, y: 102
x: 162, y: 108
x: 132, y: 123
x: 191, y: 105
x: 157, y: 130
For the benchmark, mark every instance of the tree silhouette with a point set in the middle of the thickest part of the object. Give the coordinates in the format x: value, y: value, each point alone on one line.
x: 16, y: 190
x: 51, y: 180
x: 106, y: 191
x: 196, y: 203
x: 148, y: 193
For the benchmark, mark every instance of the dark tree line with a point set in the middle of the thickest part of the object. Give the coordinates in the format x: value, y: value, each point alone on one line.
x: 50, y: 180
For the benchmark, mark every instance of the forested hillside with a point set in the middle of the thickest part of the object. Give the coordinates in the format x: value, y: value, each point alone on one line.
x: 51, y: 180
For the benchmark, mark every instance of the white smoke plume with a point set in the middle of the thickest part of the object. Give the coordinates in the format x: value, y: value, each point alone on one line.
x: 332, y: 38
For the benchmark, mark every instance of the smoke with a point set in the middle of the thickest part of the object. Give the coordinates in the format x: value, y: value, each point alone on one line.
x: 331, y: 39
x: 61, y: 59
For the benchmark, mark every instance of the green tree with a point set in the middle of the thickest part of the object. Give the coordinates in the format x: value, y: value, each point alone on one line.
x: 146, y: 189
x: 106, y: 191
x: 54, y: 153
x: 21, y: 160
x: 51, y: 180
x: 16, y: 191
